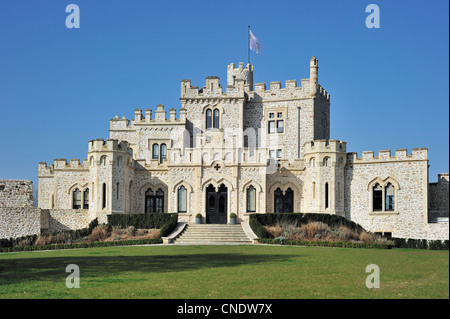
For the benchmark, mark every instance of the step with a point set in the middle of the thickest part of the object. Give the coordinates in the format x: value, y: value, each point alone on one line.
x: 213, y: 233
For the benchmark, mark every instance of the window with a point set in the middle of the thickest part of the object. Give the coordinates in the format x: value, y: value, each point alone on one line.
x: 251, y: 199
x: 279, y: 153
x: 271, y: 127
x: 163, y: 153
x: 271, y: 115
x: 377, y: 197
x: 216, y: 119
x: 117, y: 190
x: 280, y: 115
x: 2, y: 187
x: 314, y: 190
x: 86, y: 199
x: 326, y: 195
x: 312, y: 162
x: 154, y: 202
x: 76, y: 199
x: 389, y: 190
x: 104, y: 196
x: 271, y: 153
x: 280, y: 126
x: 182, y: 199
x: 284, y: 203
x: 208, y: 119
x: 155, y: 151
x: 103, y: 160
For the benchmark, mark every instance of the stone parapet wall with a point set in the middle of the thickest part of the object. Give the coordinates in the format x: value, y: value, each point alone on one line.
x: 16, y: 193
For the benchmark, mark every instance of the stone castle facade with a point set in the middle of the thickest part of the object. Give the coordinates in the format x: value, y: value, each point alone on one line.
x: 246, y: 149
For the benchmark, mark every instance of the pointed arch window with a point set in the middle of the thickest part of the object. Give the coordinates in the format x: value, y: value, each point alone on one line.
x: 76, y: 199
x: 182, y: 199
x: 390, y: 197
x: 251, y: 199
x: 216, y: 118
x: 377, y: 197
x: 154, y: 201
x: 208, y: 119
x: 86, y: 199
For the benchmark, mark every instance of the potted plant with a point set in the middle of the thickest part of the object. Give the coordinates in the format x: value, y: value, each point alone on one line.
x: 233, y: 217
x: 198, y: 218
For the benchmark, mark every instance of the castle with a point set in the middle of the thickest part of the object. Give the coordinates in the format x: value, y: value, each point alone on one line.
x: 248, y: 149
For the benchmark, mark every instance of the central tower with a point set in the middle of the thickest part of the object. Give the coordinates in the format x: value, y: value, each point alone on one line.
x: 240, y: 73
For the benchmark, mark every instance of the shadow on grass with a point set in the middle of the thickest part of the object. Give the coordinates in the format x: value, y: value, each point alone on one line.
x: 13, y: 271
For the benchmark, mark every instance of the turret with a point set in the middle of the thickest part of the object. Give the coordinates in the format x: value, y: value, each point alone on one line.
x: 313, y: 75
x: 246, y: 74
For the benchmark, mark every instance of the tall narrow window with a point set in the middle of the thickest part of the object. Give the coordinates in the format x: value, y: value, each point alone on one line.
x: 280, y: 126
x: 163, y: 153
x: 208, y: 119
x: 326, y: 196
x: 271, y: 127
x: 216, y: 119
x: 182, y: 199
x: 390, y: 197
x: 314, y: 190
x: 117, y: 190
x: 377, y: 197
x: 251, y: 199
x: 86, y: 199
x: 155, y: 151
x: 76, y: 199
x: 104, y: 196
x: 159, y: 201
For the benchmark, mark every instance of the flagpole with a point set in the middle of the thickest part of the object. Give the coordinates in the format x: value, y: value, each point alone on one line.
x: 248, y: 44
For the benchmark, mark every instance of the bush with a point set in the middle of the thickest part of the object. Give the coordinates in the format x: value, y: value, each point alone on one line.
x: 140, y: 221
x: 169, y: 226
x: 99, y: 233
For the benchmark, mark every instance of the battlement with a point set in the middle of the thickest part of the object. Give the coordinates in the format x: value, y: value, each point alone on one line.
x: 325, y: 146
x: 213, y: 89
x: 417, y: 154
x: 291, y: 90
x: 159, y: 118
x: 110, y: 145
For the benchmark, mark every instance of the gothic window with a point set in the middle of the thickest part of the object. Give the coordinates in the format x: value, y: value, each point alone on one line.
x: 216, y: 119
x: 251, y: 199
x: 389, y: 197
x: 312, y: 162
x: 103, y: 160
x: 163, y: 153
x: 280, y: 115
x: 86, y: 199
x: 377, y: 197
x: 284, y: 203
x: 326, y: 162
x: 208, y: 119
x: 154, y: 201
x: 326, y: 196
x: 182, y: 199
x: 271, y: 115
x: 76, y: 199
x: 155, y: 151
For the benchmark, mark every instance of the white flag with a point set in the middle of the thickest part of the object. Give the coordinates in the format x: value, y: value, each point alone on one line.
x: 255, y: 45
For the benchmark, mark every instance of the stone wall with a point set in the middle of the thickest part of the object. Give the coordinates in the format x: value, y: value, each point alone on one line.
x: 54, y: 220
x: 438, y: 197
x: 19, y: 221
x: 16, y: 193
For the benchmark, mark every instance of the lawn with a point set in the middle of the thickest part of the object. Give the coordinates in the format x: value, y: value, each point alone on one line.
x: 252, y: 271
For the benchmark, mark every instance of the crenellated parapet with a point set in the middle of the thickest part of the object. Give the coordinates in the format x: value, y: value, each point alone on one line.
x: 325, y: 146
x: 110, y: 145
x: 158, y: 117
x: 417, y: 154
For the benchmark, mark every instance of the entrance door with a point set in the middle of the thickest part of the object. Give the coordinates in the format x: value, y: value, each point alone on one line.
x: 216, y: 205
x: 284, y: 203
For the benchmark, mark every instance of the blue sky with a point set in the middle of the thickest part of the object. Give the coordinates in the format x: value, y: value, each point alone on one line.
x: 59, y: 87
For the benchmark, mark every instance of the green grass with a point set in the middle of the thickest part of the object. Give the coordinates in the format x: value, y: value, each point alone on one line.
x: 253, y: 271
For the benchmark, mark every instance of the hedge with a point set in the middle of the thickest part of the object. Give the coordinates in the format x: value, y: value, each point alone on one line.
x: 141, y: 221
x: 84, y: 245
x: 342, y: 244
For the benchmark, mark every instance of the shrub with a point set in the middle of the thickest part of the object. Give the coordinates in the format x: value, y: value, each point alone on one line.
x: 43, y: 240
x: 233, y: 215
x: 98, y: 234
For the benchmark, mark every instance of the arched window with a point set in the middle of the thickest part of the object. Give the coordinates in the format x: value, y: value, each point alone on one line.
x: 390, y: 197
x: 251, y: 199
x: 103, y: 160
x: 86, y: 199
x: 182, y: 199
x: 76, y: 199
x: 284, y: 203
x: 326, y: 162
x: 154, y: 202
x: 326, y: 196
x: 208, y: 119
x: 216, y: 119
x: 377, y: 197
x: 163, y: 153
x: 312, y: 162
x: 314, y: 190
x: 155, y: 151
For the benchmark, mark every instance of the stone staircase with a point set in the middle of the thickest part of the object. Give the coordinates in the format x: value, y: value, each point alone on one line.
x: 213, y: 234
